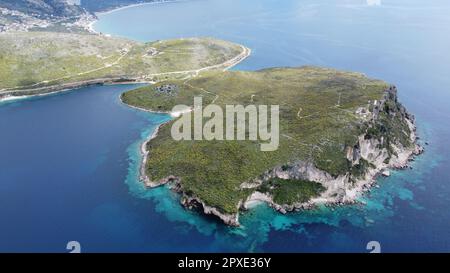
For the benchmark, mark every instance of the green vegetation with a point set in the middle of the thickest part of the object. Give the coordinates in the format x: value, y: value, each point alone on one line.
x: 319, y: 108
x: 318, y: 121
x: 30, y: 60
x: 359, y: 170
x: 288, y: 191
x: 322, y: 111
x: 390, y: 125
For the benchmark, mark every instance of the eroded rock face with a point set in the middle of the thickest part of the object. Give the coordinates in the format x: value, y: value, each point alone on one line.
x: 195, y: 203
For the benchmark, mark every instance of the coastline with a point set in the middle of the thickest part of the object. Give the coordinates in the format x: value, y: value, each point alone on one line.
x: 352, y: 193
x: 51, y: 90
x: 145, y: 153
x: 137, y: 5
x: 5, y: 94
x: 232, y: 220
x: 340, y: 190
x: 89, y: 26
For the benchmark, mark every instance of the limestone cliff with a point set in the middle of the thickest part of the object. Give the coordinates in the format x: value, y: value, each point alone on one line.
x: 377, y: 150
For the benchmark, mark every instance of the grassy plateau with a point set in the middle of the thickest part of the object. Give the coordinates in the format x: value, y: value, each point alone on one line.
x: 37, y: 60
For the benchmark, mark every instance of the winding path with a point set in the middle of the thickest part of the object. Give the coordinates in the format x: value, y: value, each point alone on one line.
x: 70, y: 85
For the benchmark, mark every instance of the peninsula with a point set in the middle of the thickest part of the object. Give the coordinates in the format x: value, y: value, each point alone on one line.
x: 338, y: 131
x: 33, y: 63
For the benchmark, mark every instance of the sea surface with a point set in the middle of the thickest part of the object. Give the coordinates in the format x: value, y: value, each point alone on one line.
x: 69, y: 162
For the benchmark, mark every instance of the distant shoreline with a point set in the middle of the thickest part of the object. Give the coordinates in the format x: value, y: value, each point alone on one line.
x: 101, y: 13
x: 6, y: 95
x: 91, y: 24
x: 136, y: 5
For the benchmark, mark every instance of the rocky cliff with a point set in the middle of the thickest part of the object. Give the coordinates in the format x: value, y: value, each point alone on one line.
x: 388, y: 142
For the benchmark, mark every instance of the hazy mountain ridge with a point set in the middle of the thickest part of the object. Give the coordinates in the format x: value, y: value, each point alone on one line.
x: 44, y: 8
x: 55, y: 15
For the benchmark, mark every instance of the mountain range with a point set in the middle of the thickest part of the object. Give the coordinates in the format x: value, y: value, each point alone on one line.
x: 54, y: 15
x: 44, y: 8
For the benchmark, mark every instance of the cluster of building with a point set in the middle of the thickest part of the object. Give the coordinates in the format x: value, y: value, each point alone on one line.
x: 12, y: 20
x: 168, y: 89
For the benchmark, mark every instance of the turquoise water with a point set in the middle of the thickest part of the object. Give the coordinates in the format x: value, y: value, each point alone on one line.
x: 69, y: 163
x: 404, y: 42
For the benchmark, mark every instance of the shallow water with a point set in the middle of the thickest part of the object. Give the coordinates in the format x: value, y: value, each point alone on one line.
x: 69, y: 163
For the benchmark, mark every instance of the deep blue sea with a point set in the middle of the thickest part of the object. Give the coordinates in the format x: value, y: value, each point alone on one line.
x: 69, y: 162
